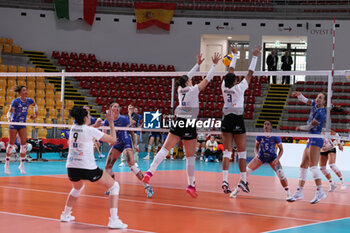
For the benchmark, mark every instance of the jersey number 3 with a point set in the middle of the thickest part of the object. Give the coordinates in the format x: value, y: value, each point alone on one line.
x: 229, y: 98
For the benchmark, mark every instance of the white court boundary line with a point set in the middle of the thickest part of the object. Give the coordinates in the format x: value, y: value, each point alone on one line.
x: 171, y: 205
x: 305, y: 225
x: 80, y: 223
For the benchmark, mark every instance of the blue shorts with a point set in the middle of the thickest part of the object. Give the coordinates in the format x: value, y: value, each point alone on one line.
x: 267, y: 159
x: 315, y: 142
x: 138, y: 132
x: 122, y: 145
x: 155, y: 134
x: 18, y: 127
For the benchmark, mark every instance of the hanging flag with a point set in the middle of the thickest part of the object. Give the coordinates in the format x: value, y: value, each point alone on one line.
x: 154, y: 13
x: 76, y: 9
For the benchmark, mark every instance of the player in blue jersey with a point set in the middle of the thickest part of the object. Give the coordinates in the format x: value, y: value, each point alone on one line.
x: 137, y: 133
x: 153, y: 137
x: 123, y: 145
x: 265, y: 152
x: 18, y: 113
x: 311, y: 154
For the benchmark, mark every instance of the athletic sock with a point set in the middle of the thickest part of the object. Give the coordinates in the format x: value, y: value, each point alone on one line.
x: 244, y: 176
x: 225, y: 175
x: 160, y: 156
x: 190, y: 168
x: 67, y: 210
x: 114, y: 213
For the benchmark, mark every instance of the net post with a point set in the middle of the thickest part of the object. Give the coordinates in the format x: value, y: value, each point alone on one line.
x: 62, y: 93
x: 172, y: 93
x: 329, y: 100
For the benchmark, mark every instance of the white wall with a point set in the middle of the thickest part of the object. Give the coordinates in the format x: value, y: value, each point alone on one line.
x: 293, y: 153
x: 120, y: 41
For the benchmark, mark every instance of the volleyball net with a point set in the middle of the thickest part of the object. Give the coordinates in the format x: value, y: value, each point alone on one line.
x: 155, y: 91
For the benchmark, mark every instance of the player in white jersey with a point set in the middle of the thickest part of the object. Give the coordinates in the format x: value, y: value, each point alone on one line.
x: 185, y: 112
x: 81, y: 164
x: 328, y: 154
x: 232, y: 127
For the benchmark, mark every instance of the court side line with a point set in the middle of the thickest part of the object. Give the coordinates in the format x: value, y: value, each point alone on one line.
x: 57, y: 220
x: 241, y: 194
x: 305, y: 225
x: 173, y: 205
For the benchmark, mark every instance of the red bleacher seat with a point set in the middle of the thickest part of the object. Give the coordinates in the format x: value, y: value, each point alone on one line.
x: 100, y: 100
x: 82, y: 56
x: 248, y: 115
x: 74, y: 56
x: 91, y: 57
x: 152, y: 67
x: 134, y: 67
x: 161, y: 68
x: 55, y: 54
x: 143, y: 67
x: 170, y: 68
x: 284, y: 127
x: 107, y: 65
x: 65, y: 55
x: 125, y: 66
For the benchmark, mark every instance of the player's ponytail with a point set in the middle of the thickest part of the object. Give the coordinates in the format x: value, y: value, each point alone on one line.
x: 229, y: 80
x: 18, y: 88
x: 181, y: 82
x: 78, y: 113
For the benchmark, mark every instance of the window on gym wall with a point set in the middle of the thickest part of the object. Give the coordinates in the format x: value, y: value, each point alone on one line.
x: 298, y: 52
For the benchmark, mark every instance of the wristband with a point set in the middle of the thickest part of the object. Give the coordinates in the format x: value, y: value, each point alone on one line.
x: 253, y: 63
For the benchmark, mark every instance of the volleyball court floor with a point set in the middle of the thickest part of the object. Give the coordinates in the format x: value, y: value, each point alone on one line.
x: 33, y: 202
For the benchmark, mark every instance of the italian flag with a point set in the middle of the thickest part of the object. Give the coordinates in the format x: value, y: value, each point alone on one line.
x: 76, y: 9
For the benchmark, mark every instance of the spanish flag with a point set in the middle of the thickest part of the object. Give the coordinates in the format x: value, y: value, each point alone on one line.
x: 154, y: 13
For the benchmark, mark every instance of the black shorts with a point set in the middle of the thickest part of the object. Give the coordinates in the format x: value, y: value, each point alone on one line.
x: 185, y: 133
x: 200, y: 141
x: 330, y: 151
x: 77, y: 174
x: 233, y: 124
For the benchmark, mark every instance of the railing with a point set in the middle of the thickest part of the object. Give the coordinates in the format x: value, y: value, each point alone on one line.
x: 268, y: 9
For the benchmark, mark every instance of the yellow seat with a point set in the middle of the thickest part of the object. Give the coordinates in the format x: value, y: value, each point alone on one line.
x: 30, y: 113
x: 31, y: 94
x: 50, y: 103
x: 22, y: 83
x: 5, y: 109
x: 40, y: 93
x: 9, y: 41
x: 66, y: 114
x: 50, y: 87
x: 31, y: 85
x: 2, y: 40
x: 12, y: 68
x: 52, y: 113
x: 7, y: 48
x: 50, y: 94
x: 40, y: 85
x: 69, y: 104
x: 11, y: 82
x: 41, y: 114
x: 22, y: 69
x: 2, y: 100
x: 5, y: 132
x: 16, y: 49
x: 9, y: 99
x: 42, y: 133
x: 3, y: 68
x: 0, y: 60
x: 4, y: 118
x: 3, y: 82
x: 31, y: 70
x: 58, y: 96
x: 22, y: 79
x: 40, y: 102
x: 70, y: 121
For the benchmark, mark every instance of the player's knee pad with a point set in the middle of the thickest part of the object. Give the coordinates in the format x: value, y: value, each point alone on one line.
x: 29, y: 147
x: 315, y: 172
x: 76, y: 192
x: 9, y: 148
x: 114, y: 190
x: 149, y: 147
x: 280, y: 174
x: 242, y: 155
x: 334, y: 167
x: 303, y: 174
x: 23, y: 149
x: 324, y: 170
x: 226, y: 154
x: 134, y: 169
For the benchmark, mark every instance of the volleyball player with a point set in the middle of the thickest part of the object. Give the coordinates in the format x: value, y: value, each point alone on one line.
x: 186, y: 111
x: 329, y: 154
x: 137, y: 135
x: 233, y: 123
x: 18, y: 113
x: 201, y: 140
x: 95, y: 123
x: 311, y: 154
x: 153, y: 137
x: 81, y: 164
x: 123, y: 145
x: 265, y: 152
